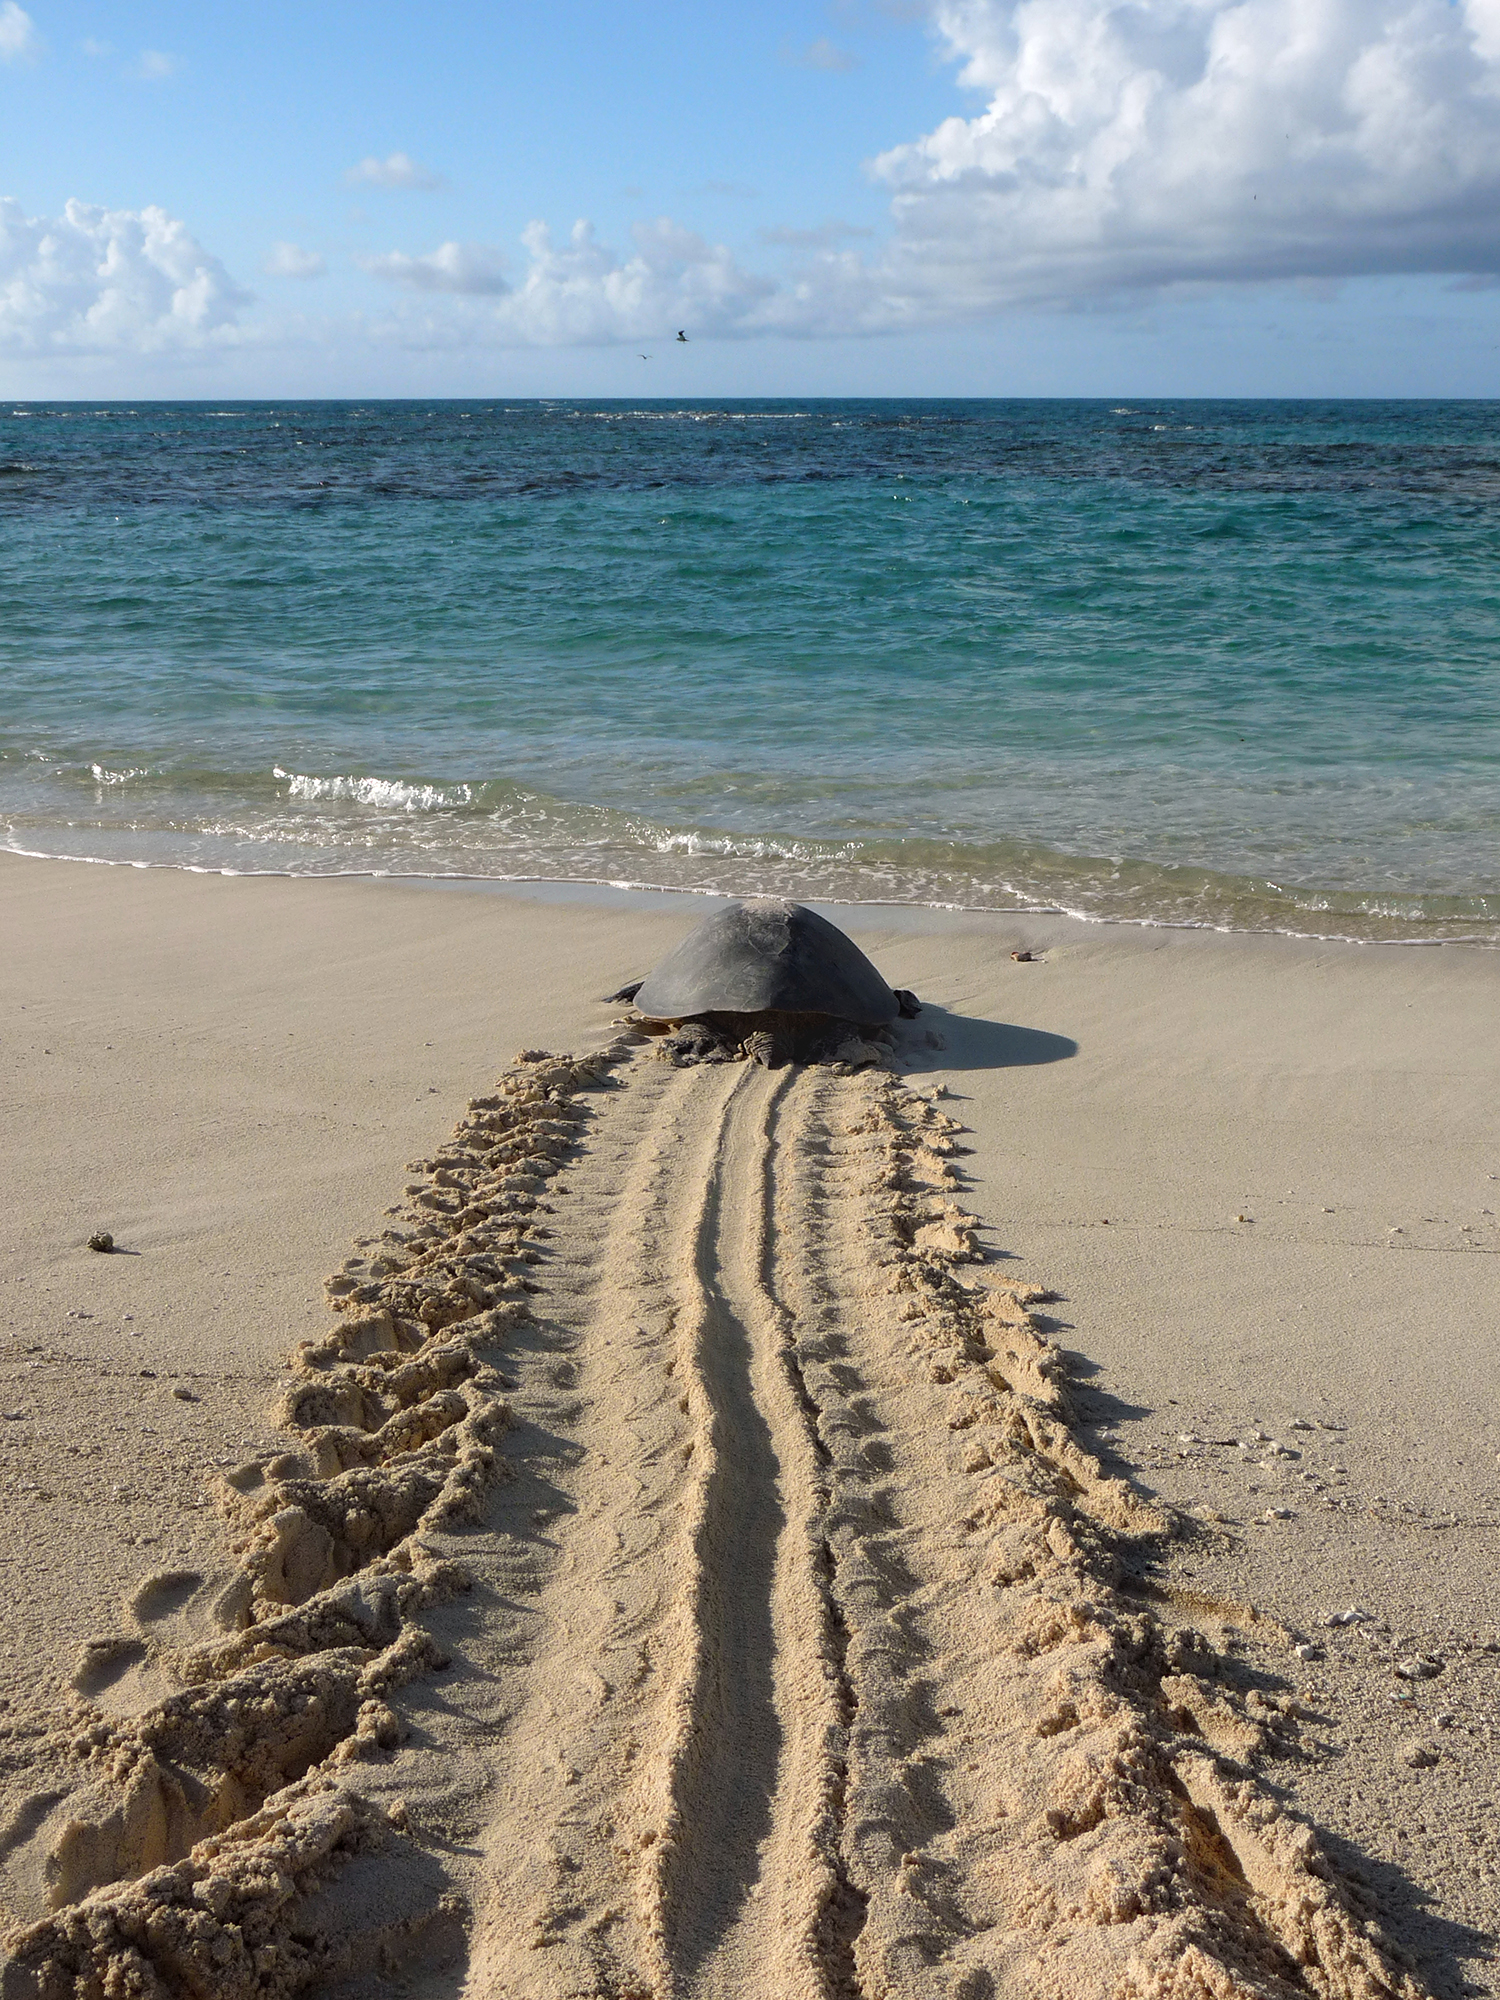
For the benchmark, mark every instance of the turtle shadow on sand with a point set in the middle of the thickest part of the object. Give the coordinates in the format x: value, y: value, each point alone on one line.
x: 968, y: 1041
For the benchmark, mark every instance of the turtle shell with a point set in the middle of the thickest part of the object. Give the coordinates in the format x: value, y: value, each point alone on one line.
x: 765, y: 954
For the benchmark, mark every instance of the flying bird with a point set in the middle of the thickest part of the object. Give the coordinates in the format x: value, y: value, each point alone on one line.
x: 645, y: 357
x: 681, y: 335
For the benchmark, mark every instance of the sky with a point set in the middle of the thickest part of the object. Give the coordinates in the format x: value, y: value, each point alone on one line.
x: 828, y: 197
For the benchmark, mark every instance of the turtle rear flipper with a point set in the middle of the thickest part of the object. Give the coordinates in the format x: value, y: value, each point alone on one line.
x: 696, y: 1042
x: 625, y: 992
x: 766, y: 1047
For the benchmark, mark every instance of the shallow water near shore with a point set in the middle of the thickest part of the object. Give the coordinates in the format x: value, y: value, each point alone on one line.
x: 1206, y: 663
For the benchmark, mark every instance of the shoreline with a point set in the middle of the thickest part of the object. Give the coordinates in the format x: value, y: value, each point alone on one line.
x: 606, y: 890
x: 1260, y: 1171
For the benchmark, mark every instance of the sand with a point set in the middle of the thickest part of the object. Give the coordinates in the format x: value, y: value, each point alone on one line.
x: 748, y: 1532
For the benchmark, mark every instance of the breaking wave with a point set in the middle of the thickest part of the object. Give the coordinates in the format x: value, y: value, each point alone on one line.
x: 389, y: 792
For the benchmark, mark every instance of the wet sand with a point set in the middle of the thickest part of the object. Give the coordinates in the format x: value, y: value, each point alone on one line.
x: 1260, y: 1175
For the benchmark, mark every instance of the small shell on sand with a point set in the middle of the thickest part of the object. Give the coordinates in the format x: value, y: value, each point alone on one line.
x: 101, y: 1240
x: 1418, y: 1667
x: 1418, y: 1752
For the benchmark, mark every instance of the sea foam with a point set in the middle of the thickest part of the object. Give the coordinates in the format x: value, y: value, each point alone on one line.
x: 395, y: 794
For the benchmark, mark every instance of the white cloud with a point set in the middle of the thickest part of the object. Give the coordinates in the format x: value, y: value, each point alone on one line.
x: 290, y: 260
x: 92, y: 46
x: 471, y: 269
x: 1130, y: 147
x: 156, y: 65
x: 19, y: 40
x: 96, y: 280
x: 578, y: 292
x: 582, y: 292
x: 822, y: 54
x: 396, y: 170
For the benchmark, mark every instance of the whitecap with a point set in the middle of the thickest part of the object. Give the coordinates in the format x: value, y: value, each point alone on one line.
x: 392, y: 793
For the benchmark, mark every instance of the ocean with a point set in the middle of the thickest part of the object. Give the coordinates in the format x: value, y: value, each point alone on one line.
x: 1218, y: 663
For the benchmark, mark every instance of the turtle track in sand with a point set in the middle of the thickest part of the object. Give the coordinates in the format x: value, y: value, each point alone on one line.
x: 802, y: 1654
x: 181, y: 1849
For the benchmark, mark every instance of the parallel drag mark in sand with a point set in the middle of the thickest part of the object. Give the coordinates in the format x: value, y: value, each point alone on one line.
x: 670, y: 1821
x: 748, y: 1873
x: 730, y: 1736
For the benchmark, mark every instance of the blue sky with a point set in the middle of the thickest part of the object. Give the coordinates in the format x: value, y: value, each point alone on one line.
x: 961, y: 197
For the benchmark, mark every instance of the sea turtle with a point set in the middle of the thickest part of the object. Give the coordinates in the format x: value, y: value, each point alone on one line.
x: 771, y: 980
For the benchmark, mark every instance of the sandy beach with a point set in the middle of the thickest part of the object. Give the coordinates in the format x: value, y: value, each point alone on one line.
x: 676, y: 1627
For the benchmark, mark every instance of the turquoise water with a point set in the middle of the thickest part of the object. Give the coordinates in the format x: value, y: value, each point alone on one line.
x: 1226, y: 663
